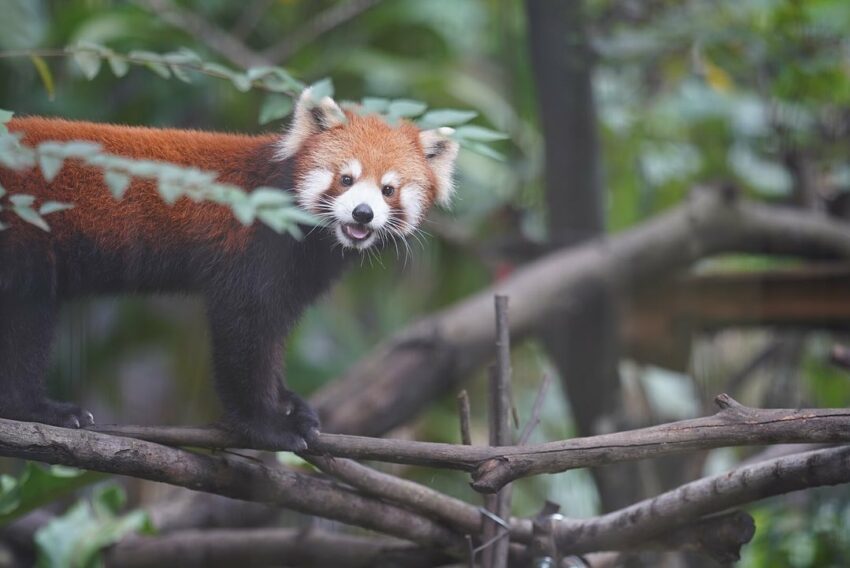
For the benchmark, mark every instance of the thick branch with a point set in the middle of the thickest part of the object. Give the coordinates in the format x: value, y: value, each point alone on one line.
x: 645, y: 524
x: 429, y: 358
x: 659, y: 323
x: 733, y: 425
x: 668, y: 511
x: 266, y: 547
x: 230, y: 476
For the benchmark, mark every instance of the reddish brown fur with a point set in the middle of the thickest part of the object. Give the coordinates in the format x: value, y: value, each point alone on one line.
x: 255, y: 282
x: 142, y: 214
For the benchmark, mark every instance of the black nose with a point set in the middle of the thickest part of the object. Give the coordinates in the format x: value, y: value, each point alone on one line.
x: 362, y: 213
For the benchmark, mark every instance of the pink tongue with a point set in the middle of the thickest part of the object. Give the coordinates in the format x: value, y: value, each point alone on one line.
x: 358, y: 232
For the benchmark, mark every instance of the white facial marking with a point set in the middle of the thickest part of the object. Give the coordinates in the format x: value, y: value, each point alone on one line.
x: 312, y: 186
x: 352, y: 168
x: 362, y: 192
x: 441, y: 152
x: 390, y: 178
x: 412, y: 202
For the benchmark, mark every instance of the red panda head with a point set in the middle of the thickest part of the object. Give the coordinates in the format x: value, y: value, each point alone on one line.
x: 369, y: 180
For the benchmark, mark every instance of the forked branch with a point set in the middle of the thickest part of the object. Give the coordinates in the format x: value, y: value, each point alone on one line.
x: 493, y: 467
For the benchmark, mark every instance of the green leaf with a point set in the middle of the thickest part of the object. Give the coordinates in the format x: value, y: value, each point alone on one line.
x: 75, y: 148
x: 118, y: 182
x: 404, y: 108
x: 118, y: 65
x: 375, y: 105
x: 294, y: 461
x: 483, y: 149
x: 180, y: 73
x: 445, y: 117
x: 89, y: 61
x: 217, y: 69
x: 38, y: 485
x: 472, y: 132
x: 159, y: 68
x: 45, y: 75
x: 244, y: 211
x: 75, y: 539
x: 302, y: 217
x: 269, y: 197
x: 5, y: 116
x: 109, y: 500
x: 151, y: 60
x: 184, y: 56
x: 241, y: 82
x: 169, y: 191
x: 22, y: 199
x: 31, y: 216
x: 275, y: 78
x: 275, y: 107
x: 50, y: 165
x: 53, y: 207
x: 321, y: 89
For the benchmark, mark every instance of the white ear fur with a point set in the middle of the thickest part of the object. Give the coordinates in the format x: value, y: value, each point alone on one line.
x: 441, y: 152
x: 310, y: 117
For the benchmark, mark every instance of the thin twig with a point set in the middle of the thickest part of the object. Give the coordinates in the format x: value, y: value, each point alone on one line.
x: 536, y: 410
x: 495, y: 546
x: 205, y: 31
x: 324, y: 22
x: 188, y: 66
x: 455, y: 513
x: 464, y: 412
x: 250, y: 18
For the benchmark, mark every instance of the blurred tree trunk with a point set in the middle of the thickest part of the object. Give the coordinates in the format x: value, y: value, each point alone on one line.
x: 584, y: 346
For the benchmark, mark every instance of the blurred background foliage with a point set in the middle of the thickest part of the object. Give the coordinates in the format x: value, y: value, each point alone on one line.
x: 754, y: 92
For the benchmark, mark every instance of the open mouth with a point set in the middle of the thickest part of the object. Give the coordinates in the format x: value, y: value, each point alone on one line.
x: 356, y: 232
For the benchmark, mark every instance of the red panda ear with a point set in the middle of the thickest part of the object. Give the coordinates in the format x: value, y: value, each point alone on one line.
x: 440, y: 152
x: 310, y: 117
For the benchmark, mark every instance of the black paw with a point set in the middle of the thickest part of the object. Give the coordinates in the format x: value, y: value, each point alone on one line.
x: 51, y: 412
x: 289, y: 425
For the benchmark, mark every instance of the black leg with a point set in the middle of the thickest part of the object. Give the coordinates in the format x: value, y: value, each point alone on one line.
x: 26, y: 334
x: 247, y: 358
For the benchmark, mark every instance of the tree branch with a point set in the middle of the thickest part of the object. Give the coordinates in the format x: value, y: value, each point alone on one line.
x: 205, y: 31
x: 226, y: 475
x: 646, y: 524
x: 495, y: 546
x: 733, y: 425
x: 635, y: 524
x: 430, y: 358
x: 265, y: 547
x: 322, y: 23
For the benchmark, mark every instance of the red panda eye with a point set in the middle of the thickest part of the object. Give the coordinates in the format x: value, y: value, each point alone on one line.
x: 388, y: 190
x: 347, y: 180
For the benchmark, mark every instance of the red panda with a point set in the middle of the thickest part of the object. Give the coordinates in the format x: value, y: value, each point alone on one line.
x: 368, y: 180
